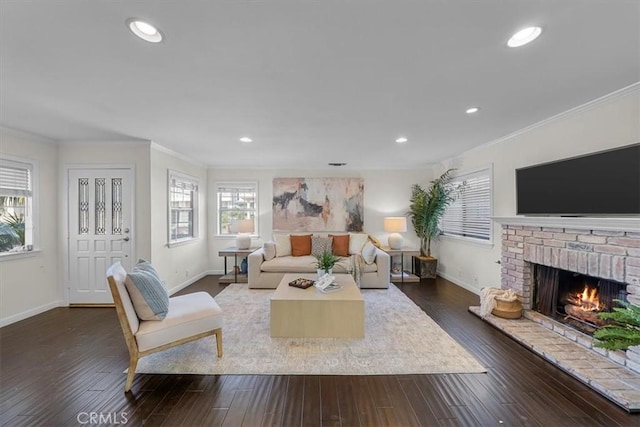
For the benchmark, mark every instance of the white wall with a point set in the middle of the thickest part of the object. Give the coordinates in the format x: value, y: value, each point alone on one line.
x: 386, y: 193
x: 29, y: 284
x: 607, y: 123
x: 179, y: 265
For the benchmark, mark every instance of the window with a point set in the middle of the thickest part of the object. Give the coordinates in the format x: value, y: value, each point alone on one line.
x: 16, y: 205
x: 236, y: 201
x: 183, y: 207
x: 469, y: 216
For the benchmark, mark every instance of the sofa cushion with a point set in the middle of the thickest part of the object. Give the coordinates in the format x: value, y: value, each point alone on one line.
x: 189, y: 315
x: 147, y: 292
x: 301, y: 245
x: 340, y: 244
x: 320, y: 244
x: 290, y: 264
x: 369, y: 253
x: 357, y: 242
x: 283, y: 244
x: 269, y: 250
x: 307, y: 264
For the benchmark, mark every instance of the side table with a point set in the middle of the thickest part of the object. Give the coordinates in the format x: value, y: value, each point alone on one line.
x: 234, y: 277
x: 403, y: 276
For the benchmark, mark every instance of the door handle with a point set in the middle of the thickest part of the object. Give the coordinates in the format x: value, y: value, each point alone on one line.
x: 126, y: 239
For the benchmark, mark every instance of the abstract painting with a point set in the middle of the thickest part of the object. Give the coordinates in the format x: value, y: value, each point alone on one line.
x: 318, y: 204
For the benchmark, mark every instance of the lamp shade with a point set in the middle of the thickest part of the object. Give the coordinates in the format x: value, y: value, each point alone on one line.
x: 243, y: 225
x: 395, y: 224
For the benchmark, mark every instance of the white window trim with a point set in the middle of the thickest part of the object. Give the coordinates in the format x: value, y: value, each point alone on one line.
x: 35, y: 212
x: 256, y: 233
x: 171, y: 175
x: 474, y: 240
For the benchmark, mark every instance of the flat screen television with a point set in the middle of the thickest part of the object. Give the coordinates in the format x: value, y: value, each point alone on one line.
x: 606, y: 183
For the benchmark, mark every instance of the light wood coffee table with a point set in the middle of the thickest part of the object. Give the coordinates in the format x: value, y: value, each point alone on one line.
x: 309, y: 313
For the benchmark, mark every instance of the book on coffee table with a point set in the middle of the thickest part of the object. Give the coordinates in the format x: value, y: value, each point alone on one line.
x: 301, y: 283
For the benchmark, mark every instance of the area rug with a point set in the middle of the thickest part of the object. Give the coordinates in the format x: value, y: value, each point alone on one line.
x: 399, y: 339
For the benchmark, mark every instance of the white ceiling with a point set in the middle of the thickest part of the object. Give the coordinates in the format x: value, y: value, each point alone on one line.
x: 310, y: 81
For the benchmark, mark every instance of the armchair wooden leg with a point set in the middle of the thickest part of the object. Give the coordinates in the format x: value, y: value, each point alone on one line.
x: 218, y: 336
x: 133, y: 363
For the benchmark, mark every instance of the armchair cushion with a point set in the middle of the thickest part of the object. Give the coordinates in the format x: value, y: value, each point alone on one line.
x: 189, y: 315
x: 149, y: 296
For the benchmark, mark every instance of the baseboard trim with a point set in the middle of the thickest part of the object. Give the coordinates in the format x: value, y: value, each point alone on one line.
x: 5, y: 321
x: 188, y: 282
x: 459, y: 282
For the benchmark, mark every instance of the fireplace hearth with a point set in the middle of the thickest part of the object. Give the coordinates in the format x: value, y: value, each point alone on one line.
x: 573, y: 298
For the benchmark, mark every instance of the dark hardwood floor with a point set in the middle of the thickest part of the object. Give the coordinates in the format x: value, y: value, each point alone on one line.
x: 65, y: 366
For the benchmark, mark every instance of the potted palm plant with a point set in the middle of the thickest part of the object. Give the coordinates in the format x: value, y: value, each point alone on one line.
x: 426, y: 208
x: 325, y: 262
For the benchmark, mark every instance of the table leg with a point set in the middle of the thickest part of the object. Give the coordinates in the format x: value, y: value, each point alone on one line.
x: 235, y: 268
x: 225, y: 265
x: 402, y: 267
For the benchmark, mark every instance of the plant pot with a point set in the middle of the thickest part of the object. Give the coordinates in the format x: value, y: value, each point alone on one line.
x: 426, y: 267
x: 322, y: 272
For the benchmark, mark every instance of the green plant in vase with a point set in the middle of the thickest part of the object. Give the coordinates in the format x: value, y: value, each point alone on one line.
x: 325, y: 262
x: 426, y: 208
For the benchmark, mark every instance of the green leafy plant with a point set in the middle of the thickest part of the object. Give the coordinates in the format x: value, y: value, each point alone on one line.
x: 428, y: 205
x: 11, y: 231
x: 624, y: 331
x: 326, y: 260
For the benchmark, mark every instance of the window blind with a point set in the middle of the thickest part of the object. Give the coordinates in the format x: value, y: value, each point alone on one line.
x: 15, y: 178
x: 470, y: 214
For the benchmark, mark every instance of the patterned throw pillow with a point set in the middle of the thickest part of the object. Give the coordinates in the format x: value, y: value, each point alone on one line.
x: 149, y: 296
x: 320, y: 244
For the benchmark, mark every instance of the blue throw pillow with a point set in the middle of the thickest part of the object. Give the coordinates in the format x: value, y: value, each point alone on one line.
x: 149, y: 296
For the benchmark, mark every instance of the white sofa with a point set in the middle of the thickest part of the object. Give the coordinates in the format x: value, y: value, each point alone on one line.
x: 268, y: 274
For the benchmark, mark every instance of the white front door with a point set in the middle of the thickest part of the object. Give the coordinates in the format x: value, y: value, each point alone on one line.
x: 100, y: 213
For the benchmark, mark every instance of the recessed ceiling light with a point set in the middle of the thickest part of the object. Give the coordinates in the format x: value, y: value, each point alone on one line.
x: 401, y: 140
x: 144, y: 30
x: 472, y: 110
x: 524, y: 36
x: 246, y: 139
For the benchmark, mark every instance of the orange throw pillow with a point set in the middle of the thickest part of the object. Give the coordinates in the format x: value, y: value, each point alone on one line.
x: 301, y: 245
x: 340, y: 244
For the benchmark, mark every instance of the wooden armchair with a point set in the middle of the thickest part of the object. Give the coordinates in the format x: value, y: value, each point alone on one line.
x: 190, y: 317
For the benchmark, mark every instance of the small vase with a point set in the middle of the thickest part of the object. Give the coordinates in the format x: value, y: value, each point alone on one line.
x: 322, y: 272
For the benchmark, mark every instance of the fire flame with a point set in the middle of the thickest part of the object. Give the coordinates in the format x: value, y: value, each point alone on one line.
x: 587, y: 300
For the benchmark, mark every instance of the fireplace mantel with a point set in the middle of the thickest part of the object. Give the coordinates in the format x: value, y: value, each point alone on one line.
x: 579, y: 223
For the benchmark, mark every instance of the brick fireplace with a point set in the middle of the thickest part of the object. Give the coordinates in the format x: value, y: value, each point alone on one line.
x: 607, y: 248
x: 603, y: 248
